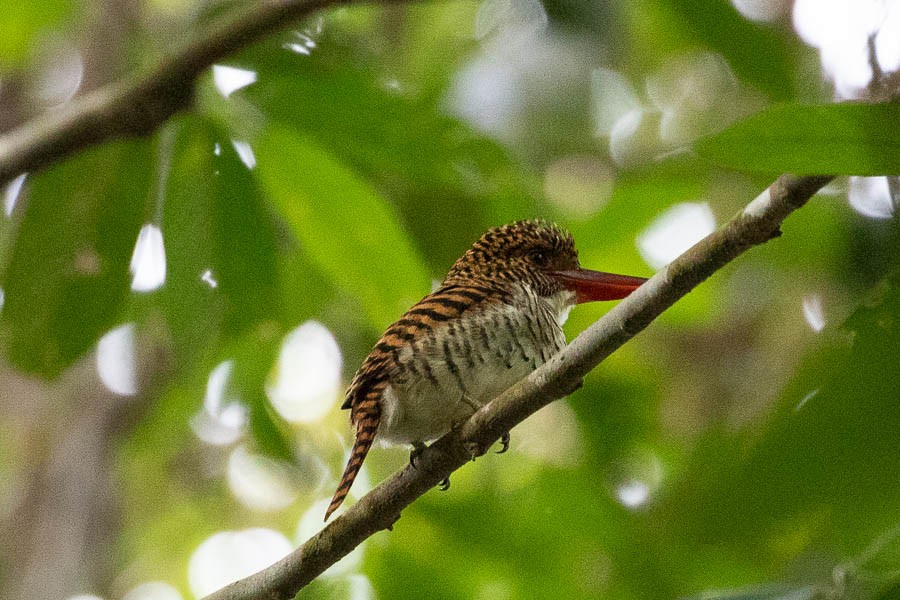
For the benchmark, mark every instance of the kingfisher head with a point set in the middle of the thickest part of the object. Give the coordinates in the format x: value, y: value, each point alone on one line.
x: 541, y: 255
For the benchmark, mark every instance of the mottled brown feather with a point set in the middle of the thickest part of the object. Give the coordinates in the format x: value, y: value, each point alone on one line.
x: 433, y: 312
x: 483, y: 275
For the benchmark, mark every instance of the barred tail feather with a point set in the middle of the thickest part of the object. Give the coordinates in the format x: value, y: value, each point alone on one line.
x: 366, y: 415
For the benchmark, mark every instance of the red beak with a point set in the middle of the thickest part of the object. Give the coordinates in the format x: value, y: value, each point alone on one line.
x: 594, y: 285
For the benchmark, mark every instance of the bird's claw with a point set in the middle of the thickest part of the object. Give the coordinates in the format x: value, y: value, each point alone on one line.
x: 504, y: 441
x: 444, y: 485
x: 474, y: 450
x: 415, y: 453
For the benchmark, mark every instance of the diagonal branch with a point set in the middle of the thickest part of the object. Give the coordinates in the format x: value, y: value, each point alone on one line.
x: 140, y: 105
x: 759, y: 222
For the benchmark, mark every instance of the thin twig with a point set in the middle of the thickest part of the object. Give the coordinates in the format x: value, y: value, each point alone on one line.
x: 759, y: 222
x: 140, y: 105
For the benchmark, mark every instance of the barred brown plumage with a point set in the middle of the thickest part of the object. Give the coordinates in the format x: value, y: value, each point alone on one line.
x: 496, y: 317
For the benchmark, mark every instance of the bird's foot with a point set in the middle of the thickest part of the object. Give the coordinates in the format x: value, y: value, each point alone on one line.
x: 504, y: 441
x: 415, y: 453
x: 474, y: 450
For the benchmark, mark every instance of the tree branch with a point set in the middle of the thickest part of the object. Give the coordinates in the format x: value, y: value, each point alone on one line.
x: 139, y: 106
x: 759, y: 222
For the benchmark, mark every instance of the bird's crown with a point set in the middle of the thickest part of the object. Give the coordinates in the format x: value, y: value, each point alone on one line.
x: 525, y: 251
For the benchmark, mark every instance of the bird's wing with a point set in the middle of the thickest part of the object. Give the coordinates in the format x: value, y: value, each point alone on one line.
x: 363, y: 398
x: 434, y: 311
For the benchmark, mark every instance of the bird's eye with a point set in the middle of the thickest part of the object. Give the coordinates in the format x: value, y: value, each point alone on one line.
x: 538, y: 257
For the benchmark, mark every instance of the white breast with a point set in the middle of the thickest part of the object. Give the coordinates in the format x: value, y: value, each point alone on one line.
x: 444, y: 377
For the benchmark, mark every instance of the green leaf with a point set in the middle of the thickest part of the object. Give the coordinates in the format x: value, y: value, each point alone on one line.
x: 829, y: 449
x: 892, y: 592
x: 348, y: 231
x: 254, y: 356
x: 760, y: 56
x: 432, y: 167
x: 222, y: 294
x: 834, y: 139
x: 68, y: 272
x: 219, y: 238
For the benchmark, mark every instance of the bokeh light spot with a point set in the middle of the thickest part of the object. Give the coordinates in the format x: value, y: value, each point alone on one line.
x: 360, y: 588
x: 762, y: 10
x: 208, y: 278
x: 612, y: 97
x: 814, y: 312
x: 228, y: 556
x: 633, y: 493
x: 840, y: 30
x: 153, y: 590
x: 11, y: 193
x: 634, y: 138
x: 221, y: 420
x: 695, y: 93
x: 115, y: 360
x: 303, y: 44
x: 887, y: 42
x: 228, y: 80
x: 871, y: 197
x: 674, y: 231
x: 61, y: 76
x: 806, y: 399
x: 307, y: 375
x: 245, y: 153
x: 148, y: 262
x: 260, y: 482
x: 635, y: 477
x: 510, y: 17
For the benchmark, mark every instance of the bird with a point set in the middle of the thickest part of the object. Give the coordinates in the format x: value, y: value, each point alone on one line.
x: 495, y: 317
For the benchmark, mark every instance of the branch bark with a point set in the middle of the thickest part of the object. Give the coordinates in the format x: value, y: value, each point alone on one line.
x: 140, y: 105
x: 759, y: 222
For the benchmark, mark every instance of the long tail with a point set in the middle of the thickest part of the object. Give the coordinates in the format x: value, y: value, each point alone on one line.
x: 366, y: 416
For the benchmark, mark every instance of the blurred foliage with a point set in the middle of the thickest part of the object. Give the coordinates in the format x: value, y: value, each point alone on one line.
x: 842, y: 139
x: 71, y: 256
x: 745, y: 446
x: 23, y: 23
